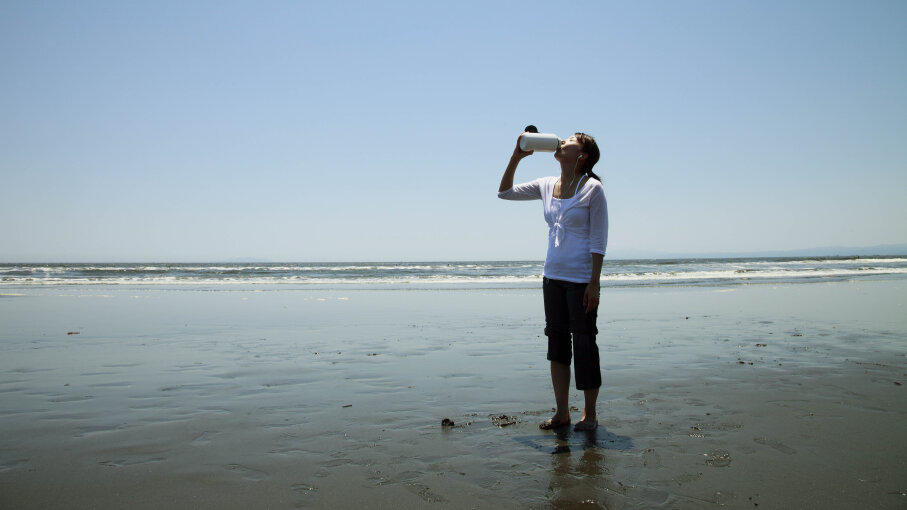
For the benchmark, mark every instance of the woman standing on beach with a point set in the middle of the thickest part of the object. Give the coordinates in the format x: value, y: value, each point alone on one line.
x: 577, y: 216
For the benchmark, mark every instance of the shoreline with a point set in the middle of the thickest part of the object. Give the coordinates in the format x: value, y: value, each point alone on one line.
x: 446, y: 275
x: 785, y: 395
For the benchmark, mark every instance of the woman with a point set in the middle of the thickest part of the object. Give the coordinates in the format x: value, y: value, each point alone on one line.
x: 577, y: 215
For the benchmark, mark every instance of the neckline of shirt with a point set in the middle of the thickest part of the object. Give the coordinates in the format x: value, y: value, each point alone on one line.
x: 575, y: 194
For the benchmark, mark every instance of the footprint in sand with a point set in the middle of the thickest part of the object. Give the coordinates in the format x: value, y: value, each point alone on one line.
x: 203, y: 439
x: 337, y: 462
x: 250, y: 474
x: 287, y: 451
x: 424, y: 492
x: 651, y: 459
x: 131, y: 461
x: 71, y: 398
x: 781, y: 447
x: 8, y: 464
x: 304, y: 488
x: 718, y: 458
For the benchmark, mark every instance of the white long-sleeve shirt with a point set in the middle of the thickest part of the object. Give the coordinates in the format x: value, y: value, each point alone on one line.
x: 577, y: 226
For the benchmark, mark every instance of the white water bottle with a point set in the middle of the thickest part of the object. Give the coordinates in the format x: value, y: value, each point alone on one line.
x: 542, y: 142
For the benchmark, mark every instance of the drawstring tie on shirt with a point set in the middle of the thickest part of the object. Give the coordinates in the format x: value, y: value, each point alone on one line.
x: 557, y: 230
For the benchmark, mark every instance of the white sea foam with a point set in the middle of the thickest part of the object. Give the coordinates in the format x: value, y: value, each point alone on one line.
x: 447, y: 274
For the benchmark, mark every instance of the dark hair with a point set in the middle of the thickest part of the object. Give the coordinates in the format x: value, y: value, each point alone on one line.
x: 591, y: 149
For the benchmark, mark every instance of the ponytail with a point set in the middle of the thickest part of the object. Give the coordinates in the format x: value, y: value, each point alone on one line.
x: 591, y: 148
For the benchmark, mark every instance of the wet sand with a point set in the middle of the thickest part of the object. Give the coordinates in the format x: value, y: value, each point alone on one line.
x: 760, y: 396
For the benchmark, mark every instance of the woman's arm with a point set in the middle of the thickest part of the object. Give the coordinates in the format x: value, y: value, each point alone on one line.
x: 518, y: 155
x: 598, y: 220
x: 598, y: 243
x: 590, y: 298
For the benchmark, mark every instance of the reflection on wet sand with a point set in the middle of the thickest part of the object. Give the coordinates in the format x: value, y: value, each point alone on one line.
x: 579, y: 475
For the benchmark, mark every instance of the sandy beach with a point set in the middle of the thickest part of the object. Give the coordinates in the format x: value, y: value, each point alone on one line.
x: 778, y: 396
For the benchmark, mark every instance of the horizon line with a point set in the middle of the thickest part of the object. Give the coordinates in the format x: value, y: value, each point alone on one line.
x: 437, y: 261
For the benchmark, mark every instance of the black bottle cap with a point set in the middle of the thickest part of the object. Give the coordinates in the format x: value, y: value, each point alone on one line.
x: 530, y: 129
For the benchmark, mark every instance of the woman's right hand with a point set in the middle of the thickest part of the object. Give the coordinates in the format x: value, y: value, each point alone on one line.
x: 519, y: 153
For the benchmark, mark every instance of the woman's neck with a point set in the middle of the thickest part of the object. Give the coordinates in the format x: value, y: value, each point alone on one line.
x: 566, y: 185
x: 568, y: 173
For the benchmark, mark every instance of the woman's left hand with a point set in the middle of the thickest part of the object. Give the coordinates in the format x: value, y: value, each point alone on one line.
x: 590, y: 297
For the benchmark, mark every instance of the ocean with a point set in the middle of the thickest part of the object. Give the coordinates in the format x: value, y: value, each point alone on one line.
x: 421, y: 275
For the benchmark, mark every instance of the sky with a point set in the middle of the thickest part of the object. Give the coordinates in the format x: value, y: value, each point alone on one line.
x: 378, y: 131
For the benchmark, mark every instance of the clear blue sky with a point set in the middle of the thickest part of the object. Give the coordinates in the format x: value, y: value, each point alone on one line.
x: 303, y: 131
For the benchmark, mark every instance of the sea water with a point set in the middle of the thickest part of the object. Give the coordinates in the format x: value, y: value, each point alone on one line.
x: 472, y: 274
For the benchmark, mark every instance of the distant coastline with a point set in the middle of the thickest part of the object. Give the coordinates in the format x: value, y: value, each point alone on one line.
x: 881, y: 250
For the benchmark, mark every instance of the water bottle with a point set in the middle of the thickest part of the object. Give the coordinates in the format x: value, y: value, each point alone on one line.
x: 542, y: 142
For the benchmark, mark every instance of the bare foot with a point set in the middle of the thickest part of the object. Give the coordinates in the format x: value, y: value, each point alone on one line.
x: 587, y: 423
x: 554, y: 423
